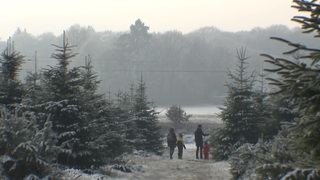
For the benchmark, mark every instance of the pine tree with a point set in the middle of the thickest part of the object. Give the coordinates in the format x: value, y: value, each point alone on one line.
x: 263, y: 112
x: 148, y: 135
x: 26, y: 147
x: 135, y: 41
x: 296, y: 149
x: 133, y: 47
x: 298, y: 82
x: 62, y: 100
x: 11, y: 89
x: 282, y: 111
x: 177, y: 115
x: 104, y: 139
x: 125, y: 116
x: 238, y: 114
x: 85, y: 122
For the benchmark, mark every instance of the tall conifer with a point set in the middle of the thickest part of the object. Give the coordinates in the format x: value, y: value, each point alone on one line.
x: 11, y: 89
x: 63, y: 87
x: 146, y: 121
x: 238, y: 113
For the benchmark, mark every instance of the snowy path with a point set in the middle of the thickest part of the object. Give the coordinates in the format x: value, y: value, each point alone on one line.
x: 158, y: 168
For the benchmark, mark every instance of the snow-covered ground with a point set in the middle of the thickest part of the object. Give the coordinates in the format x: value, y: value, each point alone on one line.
x: 162, y: 168
x: 154, y: 167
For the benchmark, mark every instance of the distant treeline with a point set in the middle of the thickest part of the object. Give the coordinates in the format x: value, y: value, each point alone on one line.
x: 186, y: 69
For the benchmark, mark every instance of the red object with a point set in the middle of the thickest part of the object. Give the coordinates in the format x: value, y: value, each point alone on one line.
x: 206, y: 151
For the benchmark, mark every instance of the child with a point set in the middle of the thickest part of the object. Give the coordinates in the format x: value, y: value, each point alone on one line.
x: 206, y: 150
x: 180, y: 145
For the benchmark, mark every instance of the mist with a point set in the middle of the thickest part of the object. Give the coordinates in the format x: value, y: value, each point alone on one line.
x: 187, y: 69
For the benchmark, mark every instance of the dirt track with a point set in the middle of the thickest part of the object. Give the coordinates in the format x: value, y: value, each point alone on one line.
x: 158, y: 168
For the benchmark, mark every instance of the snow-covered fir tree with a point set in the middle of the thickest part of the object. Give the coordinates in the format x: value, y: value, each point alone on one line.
x: 263, y: 112
x: 148, y: 135
x: 104, y: 140
x: 11, y: 89
x: 124, y: 110
x: 294, y: 153
x: 25, y: 146
x: 283, y: 111
x: 28, y: 143
x: 63, y: 100
x: 238, y: 113
x: 297, y: 80
x: 62, y: 87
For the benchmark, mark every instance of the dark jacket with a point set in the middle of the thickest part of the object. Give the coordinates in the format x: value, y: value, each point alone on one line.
x: 198, y: 136
x: 171, y: 139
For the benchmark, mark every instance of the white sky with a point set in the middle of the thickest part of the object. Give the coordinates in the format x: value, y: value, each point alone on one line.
x: 39, y: 16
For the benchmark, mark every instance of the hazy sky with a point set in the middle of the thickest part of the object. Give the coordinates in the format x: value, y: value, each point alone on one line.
x: 39, y: 16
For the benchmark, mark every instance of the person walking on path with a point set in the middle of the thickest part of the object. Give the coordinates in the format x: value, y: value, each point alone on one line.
x: 198, y: 136
x: 206, y: 150
x: 180, y: 145
x: 171, y: 141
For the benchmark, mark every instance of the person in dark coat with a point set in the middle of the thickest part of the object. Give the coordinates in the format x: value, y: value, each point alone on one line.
x: 171, y: 141
x: 198, y: 137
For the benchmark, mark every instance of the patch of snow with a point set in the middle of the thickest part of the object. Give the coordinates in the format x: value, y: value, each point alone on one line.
x: 162, y: 167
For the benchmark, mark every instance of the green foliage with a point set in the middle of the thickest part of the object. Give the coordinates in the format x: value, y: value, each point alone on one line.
x: 26, y: 147
x: 276, y: 159
x: 308, y: 173
x: 267, y: 124
x: 177, y: 114
x: 84, y: 127
x: 148, y: 135
x: 133, y: 46
x: 221, y: 147
x: 298, y: 81
x: 86, y: 130
x: 11, y: 89
x: 103, y: 140
x: 62, y: 87
x: 241, y: 122
x: 123, y: 110
x: 294, y: 153
x: 137, y: 39
x: 264, y: 160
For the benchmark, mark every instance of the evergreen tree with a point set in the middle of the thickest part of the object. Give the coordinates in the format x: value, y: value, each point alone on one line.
x: 63, y: 88
x: 148, y: 135
x: 11, y: 89
x: 263, y: 113
x: 32, y: 100
x: 221, y: 148
x: 26, y: 147
x: 283, y: 111
x: 104, y: 140
x: 298, y: 82
x: 238, y: 114
x: 295, y: 152
x: 135, y: 41
x: 125, y: 117
x: 131, y: 48
x: 177, y: 115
